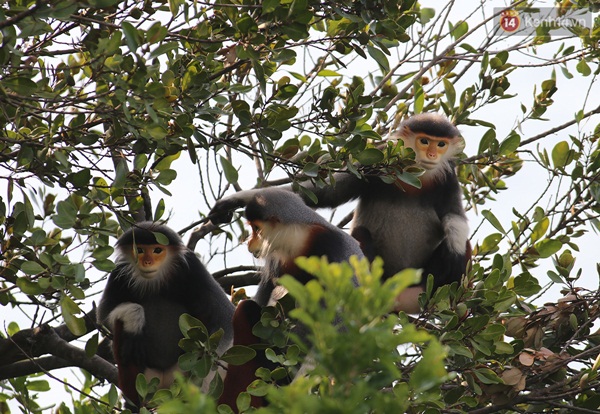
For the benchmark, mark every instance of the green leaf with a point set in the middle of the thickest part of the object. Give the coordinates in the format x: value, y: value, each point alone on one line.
x: 32, y: 268
x: 243, y: 401
x: 419, y: 97
x: 166, y: 177
x: 311, y: 169
x: 246, y: 24
x: 231, y: 174
x: 102, y: 4
x: 103, y: 252
x: 161, y: 238
x: 113, y: 396
x: 258, y: 388
x: 426, y: 15
x: 120, y: 175
x: 487, y: 376
x: 141, y: 385
x: 540, y: 229
x: 493, y: 220
x: 327, y: 72
x: 68, y: 310
x: 131, y: 36
x: 104, y: 265
x: 583, y: 68
x: 174, y: 6
x: 91, y: 346
x: 561, y: 155
x: 488, y: 141
x: 490, y: 243
x: 66, y: 215
x: 29, y: 287
x: 379, y: 57
x: 39, y: 385
x: 493, y: 332
x: 241, y: 109
x: 21, y: 85
x: 187, y: 322
x: 187, y: 361
x: 156, y: 33
x: 409, y: 179
x: 238, y: 355
x: 450, y: 92
x: 548, y: 247
x: 370, y: 156
x: 160, y: 209
x: 510, y: 144
x: 270, y: 6
x: 430, y: 371
x: 459, y: 30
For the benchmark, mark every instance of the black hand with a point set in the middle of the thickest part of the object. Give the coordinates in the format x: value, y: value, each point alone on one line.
x: 222, y: 211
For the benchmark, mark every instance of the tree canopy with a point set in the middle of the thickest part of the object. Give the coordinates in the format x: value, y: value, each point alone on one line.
x: 114, y: 111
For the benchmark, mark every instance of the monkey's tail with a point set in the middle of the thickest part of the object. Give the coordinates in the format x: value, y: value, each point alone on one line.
x: 127, y: 371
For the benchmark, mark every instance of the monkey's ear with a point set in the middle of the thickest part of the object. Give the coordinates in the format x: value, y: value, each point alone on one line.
x: 222, y: 211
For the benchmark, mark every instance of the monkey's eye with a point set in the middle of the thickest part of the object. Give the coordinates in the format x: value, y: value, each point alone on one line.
x: 424, y: 141
x: 158, y: 250
x: 140, y: 250
x: 441, y: 144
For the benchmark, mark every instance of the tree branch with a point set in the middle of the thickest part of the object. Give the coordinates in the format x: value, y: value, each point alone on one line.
x: 97, y: 366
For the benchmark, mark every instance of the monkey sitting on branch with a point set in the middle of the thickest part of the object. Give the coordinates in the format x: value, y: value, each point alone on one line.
x: 156, y: 280
x: 411, y: 227
x: 283, y: 229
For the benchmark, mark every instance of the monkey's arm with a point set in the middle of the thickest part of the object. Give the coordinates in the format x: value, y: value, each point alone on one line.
x: 222, y: 211
x: 345, y: 187
x: 118, y: 309
x: 448, y: 262
x: 206, y: 300
x: 115, y: 293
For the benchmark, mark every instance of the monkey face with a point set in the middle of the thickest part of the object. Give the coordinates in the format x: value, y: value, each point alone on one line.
x: 150, y: 258
x: 271, y: 237
x: 256, y: 240
x: 430, y: 151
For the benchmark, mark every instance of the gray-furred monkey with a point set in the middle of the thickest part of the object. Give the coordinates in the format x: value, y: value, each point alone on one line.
x: 407, y: 226
x: 411, y: 227
x: 284, y: 228
x: 152, y: 285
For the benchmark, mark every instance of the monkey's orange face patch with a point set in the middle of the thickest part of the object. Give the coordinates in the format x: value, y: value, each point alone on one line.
x: 255, y: 241
x: 430, y: 150
x: 150, y: 258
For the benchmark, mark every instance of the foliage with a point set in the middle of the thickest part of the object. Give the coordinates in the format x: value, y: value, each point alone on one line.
x: 106, y: 105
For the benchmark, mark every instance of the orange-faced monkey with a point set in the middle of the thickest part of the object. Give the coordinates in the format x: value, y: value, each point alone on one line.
x: 411, y: 227
x: 153, y: 284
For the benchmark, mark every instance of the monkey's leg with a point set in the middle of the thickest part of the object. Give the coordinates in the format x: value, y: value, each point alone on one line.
x: 127, y: 371
x: 238, y: 377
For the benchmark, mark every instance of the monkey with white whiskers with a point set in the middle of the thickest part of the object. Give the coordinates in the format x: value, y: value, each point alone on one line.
x: 411, y: 227
x: 152, y: 285
x: 283, y: 228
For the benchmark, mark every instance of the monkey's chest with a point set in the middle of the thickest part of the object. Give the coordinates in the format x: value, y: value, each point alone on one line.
x: 162, y: 333
x: 404, y: 231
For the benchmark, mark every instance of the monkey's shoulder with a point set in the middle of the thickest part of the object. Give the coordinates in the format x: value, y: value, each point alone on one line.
x: 333, y: 243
